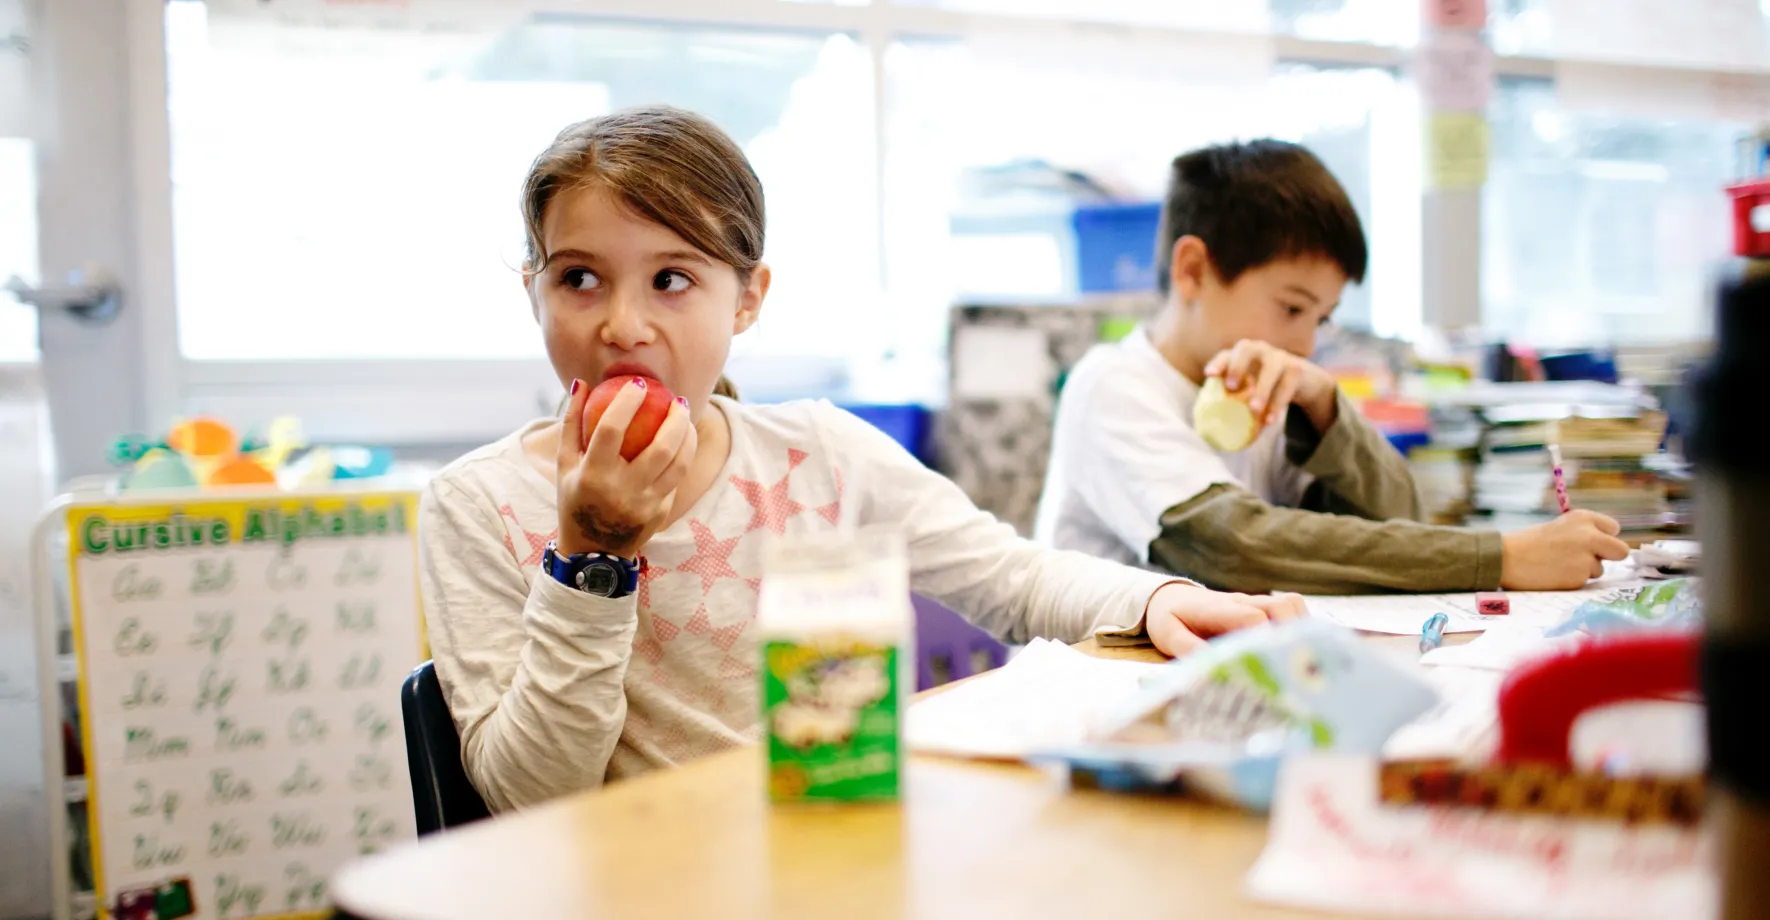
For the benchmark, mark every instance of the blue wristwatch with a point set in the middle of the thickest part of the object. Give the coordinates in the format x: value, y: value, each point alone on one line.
x: 601, y: 574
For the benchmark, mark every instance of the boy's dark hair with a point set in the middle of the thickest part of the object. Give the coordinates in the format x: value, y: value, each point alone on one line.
x: 1255, y: 202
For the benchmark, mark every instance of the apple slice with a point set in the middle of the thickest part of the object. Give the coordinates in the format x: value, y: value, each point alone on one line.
x: 1222, y: 419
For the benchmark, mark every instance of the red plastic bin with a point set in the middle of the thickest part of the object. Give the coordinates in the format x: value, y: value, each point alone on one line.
x: 1751, y: 218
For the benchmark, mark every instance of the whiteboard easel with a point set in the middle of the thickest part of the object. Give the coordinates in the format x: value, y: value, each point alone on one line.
x: 237, y: 659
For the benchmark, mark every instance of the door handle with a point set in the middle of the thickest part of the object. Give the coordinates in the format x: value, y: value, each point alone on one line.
x: 90, y: 297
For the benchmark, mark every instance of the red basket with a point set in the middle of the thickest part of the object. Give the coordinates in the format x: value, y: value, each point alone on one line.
x: 1751, y: 218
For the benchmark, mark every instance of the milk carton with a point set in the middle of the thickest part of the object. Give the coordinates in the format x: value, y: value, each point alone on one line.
x: 835, y: 616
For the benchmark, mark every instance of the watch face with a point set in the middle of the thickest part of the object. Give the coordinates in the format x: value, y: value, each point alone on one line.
x: 599, y: 578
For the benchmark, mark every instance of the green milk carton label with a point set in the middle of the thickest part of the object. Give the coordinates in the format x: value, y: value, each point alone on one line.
x: 830, y: 708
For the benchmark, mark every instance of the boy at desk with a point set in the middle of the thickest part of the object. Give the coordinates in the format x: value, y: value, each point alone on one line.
x: 1259, y: 241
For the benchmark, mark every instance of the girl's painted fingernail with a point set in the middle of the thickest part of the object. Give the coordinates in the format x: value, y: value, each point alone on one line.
x: 576, y: 383
x: 682, y: 401
x: 639, y: 382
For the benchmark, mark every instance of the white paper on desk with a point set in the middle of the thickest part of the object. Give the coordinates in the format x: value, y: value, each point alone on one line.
x: 1500, y: 648
x: 1404, y: 614
x: 1049, y: 695
x: 1333, y: 846
x: 1463, y: 724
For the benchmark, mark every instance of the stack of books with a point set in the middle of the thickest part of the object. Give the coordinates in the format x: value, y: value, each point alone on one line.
x: 1444, y: 467
x: 1445, y: 478
x: 1514, y: 485
x: 1606, y: 461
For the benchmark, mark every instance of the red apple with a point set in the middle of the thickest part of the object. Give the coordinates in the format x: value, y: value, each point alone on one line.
x: 645, y: 422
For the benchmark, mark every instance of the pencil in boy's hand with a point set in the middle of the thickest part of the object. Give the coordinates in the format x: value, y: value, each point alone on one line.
x: 1560, y: 478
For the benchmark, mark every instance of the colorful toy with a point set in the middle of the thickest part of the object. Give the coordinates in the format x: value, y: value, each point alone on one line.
x: 240, y: 471
x: 311, y: 469
x: 281, y: 440
x: 205, y: 442
x: 206, y: 453
x: 360, y: 462
x: 159, y: 469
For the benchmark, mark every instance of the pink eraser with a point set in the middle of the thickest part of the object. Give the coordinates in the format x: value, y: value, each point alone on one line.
x: 1492, y: 603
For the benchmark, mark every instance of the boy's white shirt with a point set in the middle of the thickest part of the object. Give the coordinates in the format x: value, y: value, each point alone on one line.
x: 554, y: 690
x: 1123, y: 451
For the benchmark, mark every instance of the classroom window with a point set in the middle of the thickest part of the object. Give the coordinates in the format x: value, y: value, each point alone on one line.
x: 18, y: 247
x: 345, y: 181
x: 351, y: 192
x: 957, y: 111
x: 1601, y: 229
x: 1378, y: 22
x: 1710, y: 34
x: 1374, y: 21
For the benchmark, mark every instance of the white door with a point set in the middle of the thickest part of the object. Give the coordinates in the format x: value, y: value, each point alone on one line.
x: 24, y: 477
x: 74, y: 182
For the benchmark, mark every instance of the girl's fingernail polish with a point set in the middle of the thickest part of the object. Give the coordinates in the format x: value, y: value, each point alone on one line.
x: 683, y: 400
x: 639, y: 382
x: 576, y: 383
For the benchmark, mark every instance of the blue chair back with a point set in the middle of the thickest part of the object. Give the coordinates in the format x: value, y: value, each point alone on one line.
x: 442, y: 796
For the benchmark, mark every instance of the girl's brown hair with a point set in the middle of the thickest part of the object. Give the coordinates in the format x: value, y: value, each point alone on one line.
x: 670, y: 166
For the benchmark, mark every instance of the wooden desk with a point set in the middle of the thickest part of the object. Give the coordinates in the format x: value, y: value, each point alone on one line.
x: 969, y: 840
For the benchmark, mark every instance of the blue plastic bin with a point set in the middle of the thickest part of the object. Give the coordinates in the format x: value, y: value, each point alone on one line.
x: 907, y: 424
x: 1581, y: 365
x: 1405, y: 441
x: 1115, y: 247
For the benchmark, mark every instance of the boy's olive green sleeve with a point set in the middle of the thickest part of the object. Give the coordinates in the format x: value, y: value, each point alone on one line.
x: 1357, y: 471
x: 1231, y: 540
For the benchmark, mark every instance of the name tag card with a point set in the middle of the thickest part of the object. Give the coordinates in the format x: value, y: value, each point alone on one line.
x: 1334, y: 846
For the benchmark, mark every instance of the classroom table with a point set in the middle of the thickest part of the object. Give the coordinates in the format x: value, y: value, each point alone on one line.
x: 970, y: 839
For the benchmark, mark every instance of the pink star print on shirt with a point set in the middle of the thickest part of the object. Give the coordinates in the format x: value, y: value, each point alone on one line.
x: 772, y: 507
x: 712, y: 557
x: 537, y: 542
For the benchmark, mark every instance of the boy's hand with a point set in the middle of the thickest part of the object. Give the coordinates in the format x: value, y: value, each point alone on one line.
x: 1274, y: 379
x: 1182, y: 616
x: 1560, y: 555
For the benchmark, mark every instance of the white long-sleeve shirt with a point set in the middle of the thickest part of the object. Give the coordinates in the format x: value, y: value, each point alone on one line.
x: 554, y: 690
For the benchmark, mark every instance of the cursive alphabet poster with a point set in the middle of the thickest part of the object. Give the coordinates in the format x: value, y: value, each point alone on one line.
x: 240, y: 664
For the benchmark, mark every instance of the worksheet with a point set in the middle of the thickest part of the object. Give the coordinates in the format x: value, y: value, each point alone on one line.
x: 1405, y: 614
